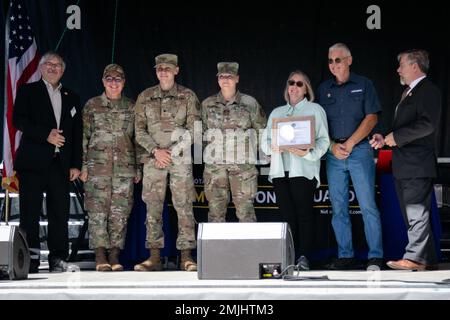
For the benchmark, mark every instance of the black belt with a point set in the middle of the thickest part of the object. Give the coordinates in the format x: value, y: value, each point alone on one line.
x: 341, y: 140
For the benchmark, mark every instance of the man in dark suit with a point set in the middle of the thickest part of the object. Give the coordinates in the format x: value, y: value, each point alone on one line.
x: 49, y: 155
x: 414, y: 165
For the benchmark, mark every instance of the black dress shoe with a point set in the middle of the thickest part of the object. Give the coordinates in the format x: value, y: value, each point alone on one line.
x: 57, y: 265
x: 302, y: 264
x: 432, y: 267
x: 342, y: 264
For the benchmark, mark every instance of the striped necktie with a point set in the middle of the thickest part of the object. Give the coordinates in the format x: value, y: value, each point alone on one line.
x: 405, y: 92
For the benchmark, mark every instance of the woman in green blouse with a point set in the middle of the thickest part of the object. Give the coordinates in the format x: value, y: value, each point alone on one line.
x: 294, y: 172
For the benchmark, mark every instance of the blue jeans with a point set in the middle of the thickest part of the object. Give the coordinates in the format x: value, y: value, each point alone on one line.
x: 361, y: 168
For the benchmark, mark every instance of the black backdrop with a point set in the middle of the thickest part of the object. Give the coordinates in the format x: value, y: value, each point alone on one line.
x: 268, y: 40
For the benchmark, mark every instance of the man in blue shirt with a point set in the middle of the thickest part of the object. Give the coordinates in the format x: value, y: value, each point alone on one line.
x: 351, y: 105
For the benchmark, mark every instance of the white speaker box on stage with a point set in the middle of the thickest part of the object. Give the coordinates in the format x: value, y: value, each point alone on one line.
x: 243, y: 250
x: 14, y: 254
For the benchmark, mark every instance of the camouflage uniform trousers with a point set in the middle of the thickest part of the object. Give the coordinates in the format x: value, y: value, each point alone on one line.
x: 154, y: 194
x: 242, y: 179
x: 109, y: 201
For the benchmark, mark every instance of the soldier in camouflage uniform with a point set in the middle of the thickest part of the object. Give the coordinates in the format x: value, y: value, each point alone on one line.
x: 164, y: 113
x: 231, y: 114
x: 109, y: 168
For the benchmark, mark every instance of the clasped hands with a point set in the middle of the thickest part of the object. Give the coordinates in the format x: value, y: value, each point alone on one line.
x: 342, y: 150
x: 378, y: 142
x: 163, y: 158
x: 56, y: 138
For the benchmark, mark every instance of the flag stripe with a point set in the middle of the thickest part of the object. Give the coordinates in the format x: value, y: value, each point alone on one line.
x: 22, y: 67
x: 29, y: 71
x: 9, y: 130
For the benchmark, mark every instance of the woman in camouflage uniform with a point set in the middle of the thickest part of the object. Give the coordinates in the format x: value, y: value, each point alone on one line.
x: 231, y: 114
x: 109, y: 168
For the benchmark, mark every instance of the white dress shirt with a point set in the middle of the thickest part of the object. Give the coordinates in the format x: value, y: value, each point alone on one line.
x: 55, y: 98
x: 414, y: 83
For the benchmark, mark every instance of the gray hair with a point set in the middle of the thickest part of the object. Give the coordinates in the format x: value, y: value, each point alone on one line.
x: 418, y: 56
x: 309, y: 90
x: 51, y: 54
x: 340, y: 46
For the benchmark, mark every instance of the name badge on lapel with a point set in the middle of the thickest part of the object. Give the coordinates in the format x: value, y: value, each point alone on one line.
x: 73, y: 111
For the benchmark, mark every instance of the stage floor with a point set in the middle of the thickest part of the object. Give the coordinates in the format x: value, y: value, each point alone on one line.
x: 178, y: 285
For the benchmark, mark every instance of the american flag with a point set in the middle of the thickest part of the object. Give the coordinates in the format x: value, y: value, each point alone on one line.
x: 22, y: 60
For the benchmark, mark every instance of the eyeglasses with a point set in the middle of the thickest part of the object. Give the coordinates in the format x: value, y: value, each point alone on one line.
x: 226, y: 76
x: 337, y: 60
x: 297, y: 83
x: 48, y: 64
x: 112, y: 79
x: 163, y: 69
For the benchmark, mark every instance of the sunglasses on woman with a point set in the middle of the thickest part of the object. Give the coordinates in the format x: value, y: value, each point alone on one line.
x: 296, y: 83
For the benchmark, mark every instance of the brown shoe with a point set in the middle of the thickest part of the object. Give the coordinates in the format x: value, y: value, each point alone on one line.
x: 113, y: 259
x: 101, y: 263
x: 405, y: 264
x: 151, y: 264
x: 187, y: 263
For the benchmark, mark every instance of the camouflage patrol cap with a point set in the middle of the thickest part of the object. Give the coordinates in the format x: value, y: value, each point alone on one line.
x: 166, y: 58
x: 110, y: 68
x: 227, y: 67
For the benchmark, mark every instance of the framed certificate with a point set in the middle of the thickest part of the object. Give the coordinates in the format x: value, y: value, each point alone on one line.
x: 294, y: 132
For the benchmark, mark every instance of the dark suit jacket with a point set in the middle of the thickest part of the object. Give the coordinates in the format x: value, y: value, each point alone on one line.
x: 33, y: 115
x: 415, y: 132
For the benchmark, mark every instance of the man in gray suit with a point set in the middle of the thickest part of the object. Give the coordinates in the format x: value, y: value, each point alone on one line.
x: 414, y: 165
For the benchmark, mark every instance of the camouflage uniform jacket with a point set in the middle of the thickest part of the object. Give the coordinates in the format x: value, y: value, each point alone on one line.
x: 241, y: 114
x: 108, y: 138
x: 160, y: 114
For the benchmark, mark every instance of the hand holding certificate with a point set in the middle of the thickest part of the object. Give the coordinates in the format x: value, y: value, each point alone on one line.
x: 294, y: 132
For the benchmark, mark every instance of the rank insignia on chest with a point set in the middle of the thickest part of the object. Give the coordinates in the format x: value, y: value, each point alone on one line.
x: 226, y: 113
x: 328, y: 95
